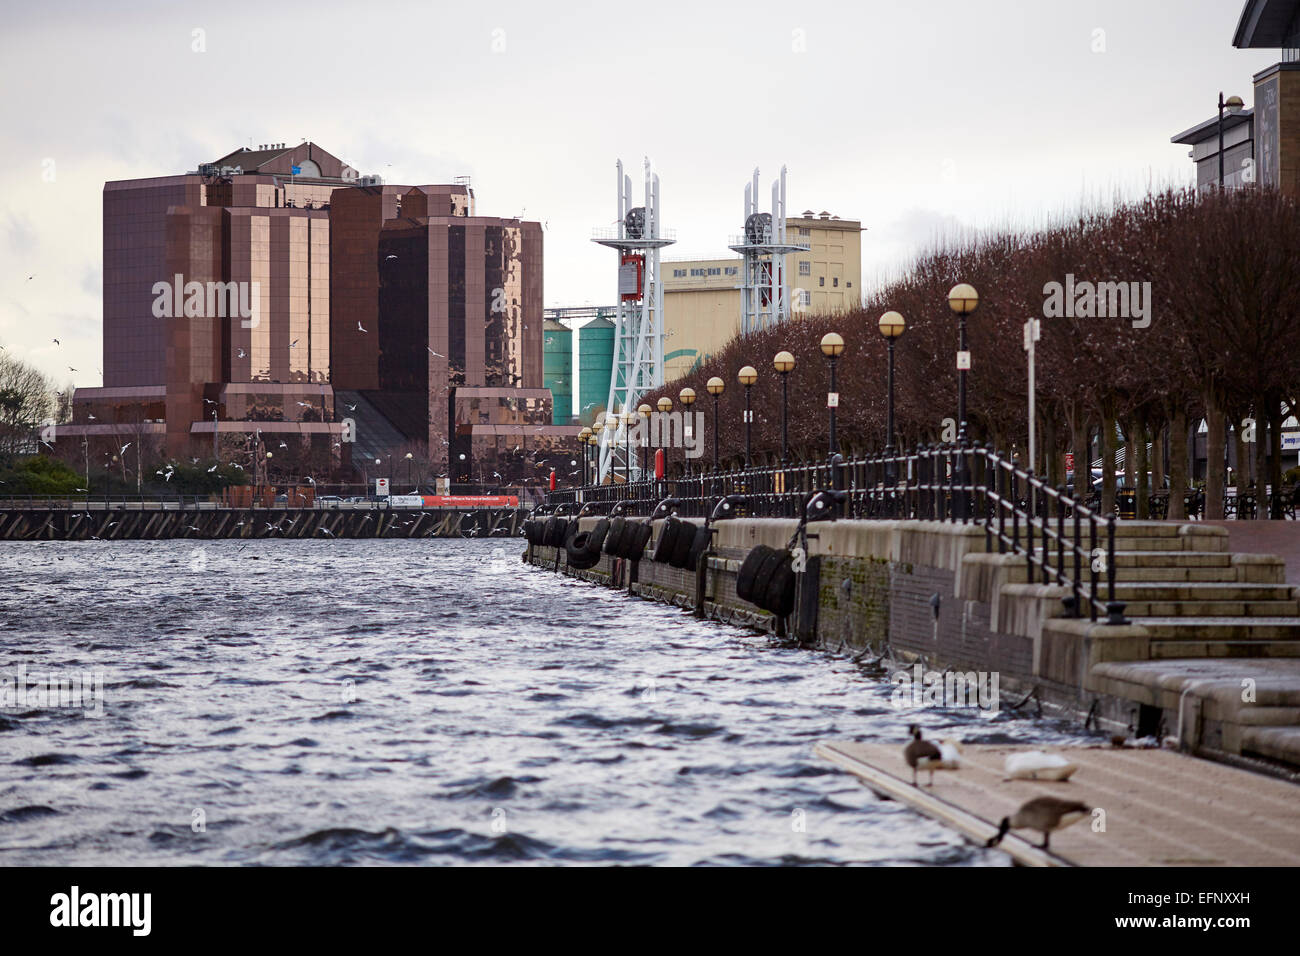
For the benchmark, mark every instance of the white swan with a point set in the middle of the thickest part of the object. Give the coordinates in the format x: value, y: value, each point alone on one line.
x: 1038, y: 765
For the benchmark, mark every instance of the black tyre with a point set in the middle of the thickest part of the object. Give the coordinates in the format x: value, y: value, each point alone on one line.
x: 644, y: 530
x: 748, y: 574
x: 682, y: 546
x: 763, y: 579
x: 596, y: 540
x: 614, y: 537
x: 667, y: 539
x: 698, y: 547
x: 779, y: 596
x: 579, y: 554
x: 561, y: 531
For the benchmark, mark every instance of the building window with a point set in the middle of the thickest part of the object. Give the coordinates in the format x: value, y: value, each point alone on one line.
x: 821, y: 280
x: 805, y: 231
x: 805, y: 297
x: 732, y: 270
x: 678, y: 273
x: 715, y: 272
x: 805, y: 268
x: 835, y: 283
x: 848, y: 285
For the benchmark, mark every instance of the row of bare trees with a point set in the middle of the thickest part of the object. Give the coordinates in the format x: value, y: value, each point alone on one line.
x: 1219, y: 342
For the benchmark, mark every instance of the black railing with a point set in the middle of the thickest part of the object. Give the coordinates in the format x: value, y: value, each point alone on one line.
x: 1061, y: 538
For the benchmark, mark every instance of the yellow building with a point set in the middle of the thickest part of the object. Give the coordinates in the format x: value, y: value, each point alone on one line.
x: 702, y: 296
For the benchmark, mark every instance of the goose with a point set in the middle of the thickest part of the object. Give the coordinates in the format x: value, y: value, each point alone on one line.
x: 1044, y: 814
x: 926, y: 755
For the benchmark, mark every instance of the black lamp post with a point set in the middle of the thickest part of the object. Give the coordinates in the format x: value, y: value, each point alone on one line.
x: 1232, y: 104
x: 715, y: 386
x: 784, y: 364
x: 645, y: 411
x: 962, y: 299
x: 891, y: 326
x: 687, y: 397
x: 832, y: 347
x: 748, y: 376
x: 585, y: 450
x: 628, y: 418
x: 665, y: 405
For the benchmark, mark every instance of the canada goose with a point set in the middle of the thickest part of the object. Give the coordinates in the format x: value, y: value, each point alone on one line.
x: 924, y: 755
x: 1044, y: 814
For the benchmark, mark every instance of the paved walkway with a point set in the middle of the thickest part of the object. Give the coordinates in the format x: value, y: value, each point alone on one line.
x: 1161, y: 808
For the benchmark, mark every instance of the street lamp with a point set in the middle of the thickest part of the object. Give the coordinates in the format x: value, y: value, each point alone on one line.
x: 409, y: 457
x: 628, y: 418
x: 586, y: 451
x: 611, y: 426
x: 832, y: 347
x: 687, y: 397
x: 784, y: 364
x: 715, y: 387
x: 962, y: 299
x: 748, y: 376
x: 891, y: 326
x: 645, y: 411
x: 665, y: 405
x: 1232, y: 104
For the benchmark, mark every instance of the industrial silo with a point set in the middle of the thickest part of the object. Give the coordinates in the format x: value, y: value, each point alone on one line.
x: 557, y: 370
x: 595, y: 363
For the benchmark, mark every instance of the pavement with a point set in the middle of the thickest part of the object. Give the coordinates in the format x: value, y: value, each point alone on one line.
x: 1157, y: 807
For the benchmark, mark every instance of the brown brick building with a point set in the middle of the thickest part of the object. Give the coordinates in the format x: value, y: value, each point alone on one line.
x: 240, y: 297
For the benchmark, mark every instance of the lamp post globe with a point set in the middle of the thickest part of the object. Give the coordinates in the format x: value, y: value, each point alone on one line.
x: 832, y: 346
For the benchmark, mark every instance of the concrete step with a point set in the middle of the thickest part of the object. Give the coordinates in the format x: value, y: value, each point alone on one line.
x: 1202, y: 591
x: 1276, y: 743
x: 1176, y: 650
x: 1186, y: 608
x: 1172, y: 559
x: 1222, y: 628
x: 1216, y: 575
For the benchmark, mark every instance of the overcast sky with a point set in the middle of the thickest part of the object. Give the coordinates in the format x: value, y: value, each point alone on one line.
x: 914, y: 116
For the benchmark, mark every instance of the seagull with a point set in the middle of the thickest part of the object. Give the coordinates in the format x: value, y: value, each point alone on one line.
x: 91, y: 417
x: 305, y: 404
x: 1044, y: 814
x: 390, y: 257
x: 351, y: 408
x: 124, y: 448
x: 432, y: 352
x: 241, y: 353
x: 56, y: 341
x: 212, y: 469
x: 360, y: 327
x: 71, y: 369
x: 293, y: 344
x: 208, y: 401
x: 283, y: 445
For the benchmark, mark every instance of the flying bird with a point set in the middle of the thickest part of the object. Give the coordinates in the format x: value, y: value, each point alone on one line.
x: 56, y: 341
x: 305, y: 404
x: 360, y: 327
x: 212, y: 469
x: 293, y: 344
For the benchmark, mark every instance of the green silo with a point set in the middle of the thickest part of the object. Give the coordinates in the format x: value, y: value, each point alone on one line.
x: 595, y: 363
x: 557, y: 370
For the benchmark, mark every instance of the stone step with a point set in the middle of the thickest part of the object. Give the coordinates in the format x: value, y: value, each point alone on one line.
x: 1174, y: 650
x: 1218, y: 575
x: 1202, y: 591
x: 1222, y: 628
x: 1205, y: 608
x: 1172, y: 559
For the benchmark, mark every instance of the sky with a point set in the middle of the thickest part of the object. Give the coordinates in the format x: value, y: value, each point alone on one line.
x: 921, y: 118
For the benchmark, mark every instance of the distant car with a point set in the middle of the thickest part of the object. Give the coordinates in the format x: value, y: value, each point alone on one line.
x: 329, y: 500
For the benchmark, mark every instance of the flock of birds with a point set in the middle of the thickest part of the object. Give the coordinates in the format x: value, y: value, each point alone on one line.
x: 1045, y: 814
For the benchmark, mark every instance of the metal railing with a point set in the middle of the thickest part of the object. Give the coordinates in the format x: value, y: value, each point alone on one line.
x: 1064, y: 541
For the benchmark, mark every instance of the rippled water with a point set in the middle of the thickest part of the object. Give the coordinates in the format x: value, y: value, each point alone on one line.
x: 389, y: 702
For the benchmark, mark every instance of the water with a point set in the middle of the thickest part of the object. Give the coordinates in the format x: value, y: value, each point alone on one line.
x: 432, y: 702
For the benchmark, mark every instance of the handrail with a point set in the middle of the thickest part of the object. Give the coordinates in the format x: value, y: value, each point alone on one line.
x: 962, y: 483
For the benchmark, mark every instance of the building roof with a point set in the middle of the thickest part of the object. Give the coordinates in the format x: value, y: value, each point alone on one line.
x: 1209, y: 129
x: 250, y: 159
x: 1266, y: 24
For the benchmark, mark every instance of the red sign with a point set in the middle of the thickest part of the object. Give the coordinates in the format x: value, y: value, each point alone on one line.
x: 1069, y: 461
x: 631, y: 272
x: 659, y: 463
x: 462, y: 501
